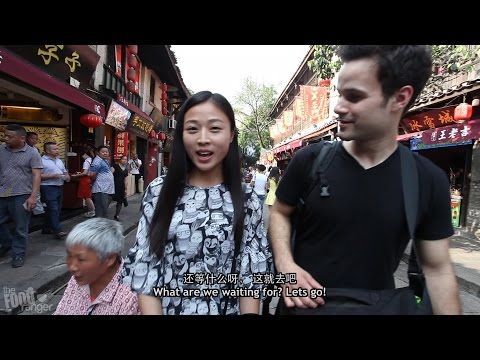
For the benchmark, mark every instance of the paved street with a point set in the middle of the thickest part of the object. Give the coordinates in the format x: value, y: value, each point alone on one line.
x: 50, y: 297
x: 470, y: 303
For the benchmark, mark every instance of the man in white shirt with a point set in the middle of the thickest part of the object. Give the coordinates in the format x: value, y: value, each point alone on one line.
x: 134, y: 164
x: 259, y: 183
x: 53, y: 176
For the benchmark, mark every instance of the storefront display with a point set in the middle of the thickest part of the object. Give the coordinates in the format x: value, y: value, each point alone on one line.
x: 456, y: 201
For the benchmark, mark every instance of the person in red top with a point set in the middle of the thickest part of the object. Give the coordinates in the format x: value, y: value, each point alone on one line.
x: 94, y: 258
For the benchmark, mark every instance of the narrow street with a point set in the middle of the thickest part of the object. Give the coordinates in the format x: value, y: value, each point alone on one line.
x: 470, y: 303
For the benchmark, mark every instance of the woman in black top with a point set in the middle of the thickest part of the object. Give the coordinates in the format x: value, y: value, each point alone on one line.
x: 120, y: 173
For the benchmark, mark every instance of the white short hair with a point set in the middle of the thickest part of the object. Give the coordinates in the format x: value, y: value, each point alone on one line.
x: 104, y: 236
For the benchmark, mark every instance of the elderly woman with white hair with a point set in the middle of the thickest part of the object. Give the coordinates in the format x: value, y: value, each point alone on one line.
x: 94, y: 250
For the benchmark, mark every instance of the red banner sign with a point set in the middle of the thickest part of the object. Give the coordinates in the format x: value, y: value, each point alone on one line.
x: 315, y: 103
x: 121, y: 145
x: 453, y: 133
x: 430, y: 119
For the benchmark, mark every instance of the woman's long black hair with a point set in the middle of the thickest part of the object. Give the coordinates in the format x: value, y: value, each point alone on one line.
x: 181, y: 165
x: 274, y: 174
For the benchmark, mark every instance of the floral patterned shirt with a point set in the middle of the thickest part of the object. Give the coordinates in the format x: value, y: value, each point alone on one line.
x: 194, y: 276
x: 115, y: 299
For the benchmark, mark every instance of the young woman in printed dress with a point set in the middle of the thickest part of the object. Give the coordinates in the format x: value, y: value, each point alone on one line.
x: 200, y: 240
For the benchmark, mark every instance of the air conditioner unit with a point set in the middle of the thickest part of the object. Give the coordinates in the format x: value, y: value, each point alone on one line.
x: 172, y: 124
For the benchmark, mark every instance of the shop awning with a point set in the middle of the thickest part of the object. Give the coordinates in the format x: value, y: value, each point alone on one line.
x: 279, y: 149
x: 132, y: 107
x: 294, y: 144
x: 321, y: 131
x: 291, y: 145
x: 30, y: 74
x: 408, y: 136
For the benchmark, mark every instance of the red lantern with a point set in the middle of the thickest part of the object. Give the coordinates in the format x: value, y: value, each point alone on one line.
x: 91, y: 121
x: 161, y: 136
x: 133, y: 49
x: 131, y: 74
x: 324, y: 82
x: 164, y: 103
x: 164, y: 95
x: 152, y: 134
x: 164, y: 87
x: 130, y: 86
x: 462, y: 112
x: 164, y: 111
x: 132, y: 61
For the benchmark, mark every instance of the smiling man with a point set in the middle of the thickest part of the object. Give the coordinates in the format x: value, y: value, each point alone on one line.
x: 355, y: 237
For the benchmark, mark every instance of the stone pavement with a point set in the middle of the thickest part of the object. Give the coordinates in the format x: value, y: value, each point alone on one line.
x: 465, y: 255
x: 45, y: 269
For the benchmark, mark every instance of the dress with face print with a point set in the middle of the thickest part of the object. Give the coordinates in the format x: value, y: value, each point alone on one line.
x: 199, y: 250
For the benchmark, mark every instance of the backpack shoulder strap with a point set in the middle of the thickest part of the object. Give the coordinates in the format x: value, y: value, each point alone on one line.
x: 410, y: 189
x: 319, y: 167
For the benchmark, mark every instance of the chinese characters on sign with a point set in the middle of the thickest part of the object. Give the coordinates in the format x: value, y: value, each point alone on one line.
x: 121, y: 145
x: 140, y: 126
x: 117, y: 116
x: 430, y: 119
x: 315, y: 103
x: 50, y: 51
x: 452, y: 134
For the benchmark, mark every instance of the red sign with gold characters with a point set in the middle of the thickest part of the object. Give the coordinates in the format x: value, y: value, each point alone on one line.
x: 453, y: 133
x: 430, y: 119
x: 121, y: 145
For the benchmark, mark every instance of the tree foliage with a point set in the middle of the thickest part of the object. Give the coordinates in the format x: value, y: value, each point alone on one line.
x: 252, y: 108
x: 450, y: 60
x: 447, y: 60
x: 325, y: 62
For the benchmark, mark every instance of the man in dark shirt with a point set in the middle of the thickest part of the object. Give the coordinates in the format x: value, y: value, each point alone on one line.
x: 355, y: 237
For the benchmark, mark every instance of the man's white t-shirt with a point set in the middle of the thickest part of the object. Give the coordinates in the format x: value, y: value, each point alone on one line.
x: 135, y: 166
x: 260, y: 181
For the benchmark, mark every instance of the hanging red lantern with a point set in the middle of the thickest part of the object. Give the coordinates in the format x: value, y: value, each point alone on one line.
x: 131, y: 74
x: 164, y: 103
x: 164, y: 87
x: 164, y: 95
x: 132, y: 61
x: 91, y: 121
x: 462, y: 112
x: 152, y: 134
x: 164, y: 111
x: 133, y: 49
x: 130, y: 86
x: 161, y: 136
x: 324, y: 82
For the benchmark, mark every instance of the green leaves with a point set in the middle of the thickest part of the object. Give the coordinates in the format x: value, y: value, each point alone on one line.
x: 325, y: 62
x: 449, y: 61
x: 252, y: 109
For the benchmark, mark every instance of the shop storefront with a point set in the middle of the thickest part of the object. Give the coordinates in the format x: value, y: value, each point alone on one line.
x: 139, y: 128
x: 43, y: 88
x: 449, y: 144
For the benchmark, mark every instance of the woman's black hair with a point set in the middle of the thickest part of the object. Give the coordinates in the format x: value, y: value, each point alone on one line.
x: 275, y: 174
x: 181, y: 165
